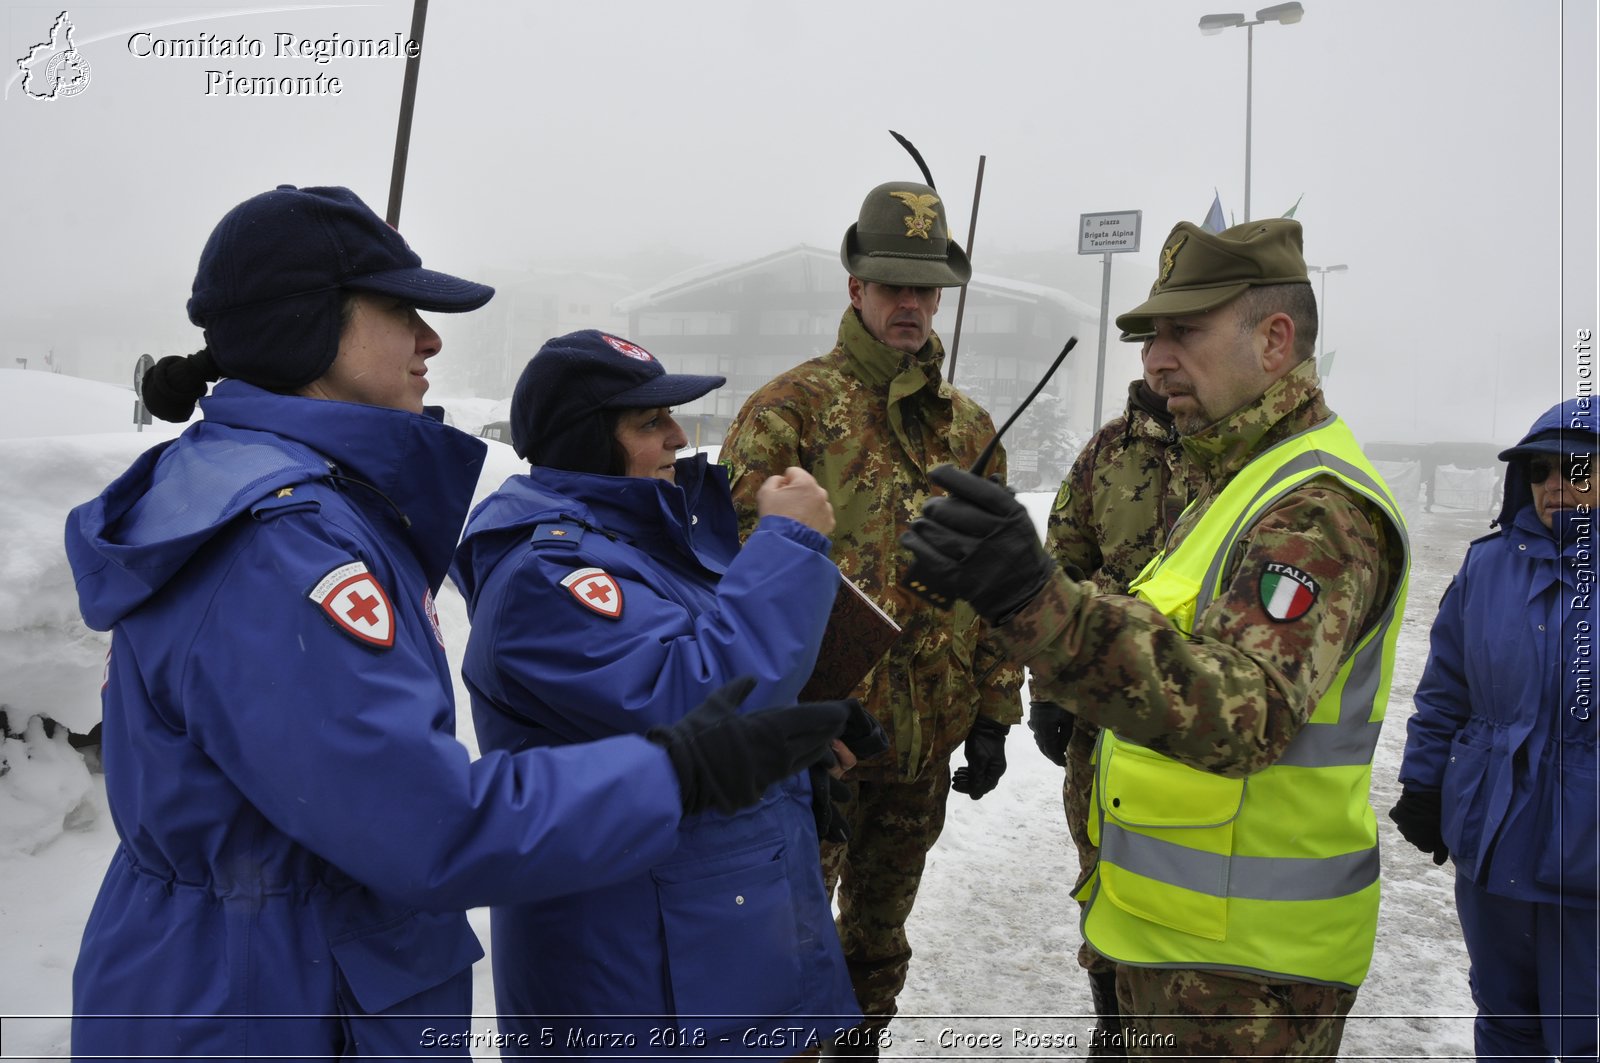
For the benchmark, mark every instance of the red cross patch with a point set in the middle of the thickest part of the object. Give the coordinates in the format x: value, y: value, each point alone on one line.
x: 595, y: 588
x: 632, y: 350
x: 432, y: 611
x: 356, y: 604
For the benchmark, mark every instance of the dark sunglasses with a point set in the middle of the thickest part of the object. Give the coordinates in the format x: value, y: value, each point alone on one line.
x: 1575, y: 467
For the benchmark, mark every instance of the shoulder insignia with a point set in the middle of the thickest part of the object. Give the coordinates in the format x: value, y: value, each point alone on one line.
x: 284, y: 500
x: 432, y: 612
x: 353, y: 599
x: 1286, y: 592
x: 561, y: 531
x: 1062, y: 496
x: 595, y: 589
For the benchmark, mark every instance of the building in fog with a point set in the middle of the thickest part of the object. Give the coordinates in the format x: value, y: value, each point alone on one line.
x: 751, y: 320
x: 529, y: 307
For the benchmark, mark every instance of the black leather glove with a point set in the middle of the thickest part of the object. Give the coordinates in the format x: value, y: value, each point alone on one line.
x: 827, y: 794
x: 986, y: 758
x: 978, y: 543
x: 1418, y: 816
x: 726, y: 762
x: 1052, y: 729
x: 863, y: 735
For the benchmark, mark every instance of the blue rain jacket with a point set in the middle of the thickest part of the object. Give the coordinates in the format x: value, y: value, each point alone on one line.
x: 729, y: 946
x: 1505, y: 720
x: 300, y: 831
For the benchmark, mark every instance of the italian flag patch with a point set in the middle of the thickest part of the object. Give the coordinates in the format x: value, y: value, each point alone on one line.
x: 1286, y: 592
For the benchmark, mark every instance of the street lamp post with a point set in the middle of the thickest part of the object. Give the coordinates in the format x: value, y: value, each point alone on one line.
x: 1288, y: 14
x: 1322, y: 303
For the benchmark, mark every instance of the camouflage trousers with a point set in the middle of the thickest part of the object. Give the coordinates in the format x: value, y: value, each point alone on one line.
x: 1075, y: 798
x: 1169, y: 1013
x: 877, y: 872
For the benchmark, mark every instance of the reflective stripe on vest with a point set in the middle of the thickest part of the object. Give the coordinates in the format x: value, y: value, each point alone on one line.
x: 1197, y: 870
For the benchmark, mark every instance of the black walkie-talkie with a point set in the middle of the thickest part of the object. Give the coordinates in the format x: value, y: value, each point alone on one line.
x: 913, y: 580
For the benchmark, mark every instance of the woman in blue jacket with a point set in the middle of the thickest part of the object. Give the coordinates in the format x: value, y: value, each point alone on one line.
x: 1500, y: 759
x: 608, y: 589
x: 300, y: 832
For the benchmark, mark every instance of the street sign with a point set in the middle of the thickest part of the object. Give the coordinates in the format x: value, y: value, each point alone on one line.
x: 140, y: 368
x: 1101, y: 234
x: 1106, y: 235
x: 141, y: 415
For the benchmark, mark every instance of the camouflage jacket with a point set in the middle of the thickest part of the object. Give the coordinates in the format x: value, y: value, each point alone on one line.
x: 1125, y: 490
x: 1230, y: 697
x: 868, y: 422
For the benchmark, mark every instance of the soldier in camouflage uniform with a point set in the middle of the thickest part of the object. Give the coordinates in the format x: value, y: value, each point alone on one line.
x: 1241, y: 691
x: 1111, y: 516
x: 868, y: 420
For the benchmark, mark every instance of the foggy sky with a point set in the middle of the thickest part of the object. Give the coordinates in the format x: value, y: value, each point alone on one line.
x: 1444, y: 151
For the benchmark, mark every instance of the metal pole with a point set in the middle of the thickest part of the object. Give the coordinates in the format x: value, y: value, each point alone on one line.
x: 1249, y: 92
x: 961, y: 303
x: 1100, y: 366
x: 408, y: 99
x: 1322, y: 309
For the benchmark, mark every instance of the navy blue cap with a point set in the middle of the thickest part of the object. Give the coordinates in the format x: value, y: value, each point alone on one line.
x: 272, y: 276
x: 1562, y: 441
x: 573, y: 378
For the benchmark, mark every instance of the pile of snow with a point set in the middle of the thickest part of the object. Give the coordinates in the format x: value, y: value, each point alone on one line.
x: 994, y: 931
x: 50, y: 404
x: 471, y: 414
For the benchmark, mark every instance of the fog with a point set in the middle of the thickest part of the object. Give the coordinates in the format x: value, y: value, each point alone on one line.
x: 1444, y: 152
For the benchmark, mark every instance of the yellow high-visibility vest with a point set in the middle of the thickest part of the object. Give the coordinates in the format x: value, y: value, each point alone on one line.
x: 1276, y: 873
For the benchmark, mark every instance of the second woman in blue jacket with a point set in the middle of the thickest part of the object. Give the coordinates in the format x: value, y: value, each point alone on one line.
x: 609, y: 594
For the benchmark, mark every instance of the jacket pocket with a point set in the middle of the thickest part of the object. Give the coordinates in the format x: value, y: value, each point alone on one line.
x: 733, y: 951
x: 1166, y: 839
x: 1568, y: 861
x: 395, y: 960
x: 1463, y: 799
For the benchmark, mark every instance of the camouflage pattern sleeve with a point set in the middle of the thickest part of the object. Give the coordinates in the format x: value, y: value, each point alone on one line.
x: 999, y: 681
x: 1070, y: 534
x: 1228, y: 698
x: 762, y: 441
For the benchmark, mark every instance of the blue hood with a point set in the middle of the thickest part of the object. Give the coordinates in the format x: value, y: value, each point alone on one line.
x: 125, y: 545
x: 637, y: 509
x: 1574, y: 422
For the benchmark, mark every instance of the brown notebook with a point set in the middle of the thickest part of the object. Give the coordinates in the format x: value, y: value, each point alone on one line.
x: 858, y: 635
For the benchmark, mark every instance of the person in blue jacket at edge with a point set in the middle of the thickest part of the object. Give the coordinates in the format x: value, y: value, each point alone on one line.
x: 1500, y: 759
x: 608, y: 591
x: 300, y: 832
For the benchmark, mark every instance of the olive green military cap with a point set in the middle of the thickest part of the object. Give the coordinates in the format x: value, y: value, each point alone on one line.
x: 901, y: 238
x: 1201, y: 270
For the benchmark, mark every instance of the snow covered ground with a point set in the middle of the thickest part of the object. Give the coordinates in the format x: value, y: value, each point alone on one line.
x: 995, y: 932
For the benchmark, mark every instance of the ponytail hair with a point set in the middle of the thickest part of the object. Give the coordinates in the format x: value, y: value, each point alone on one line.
x: 172, y: 386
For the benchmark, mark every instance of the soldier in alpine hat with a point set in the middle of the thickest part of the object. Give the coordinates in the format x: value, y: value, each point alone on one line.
x: 1240, y: 688
x: 869, y: 419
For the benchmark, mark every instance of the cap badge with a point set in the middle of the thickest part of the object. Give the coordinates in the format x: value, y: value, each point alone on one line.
x: 922, y: 215
x: 1169, y: 258
x: 632, y: 350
